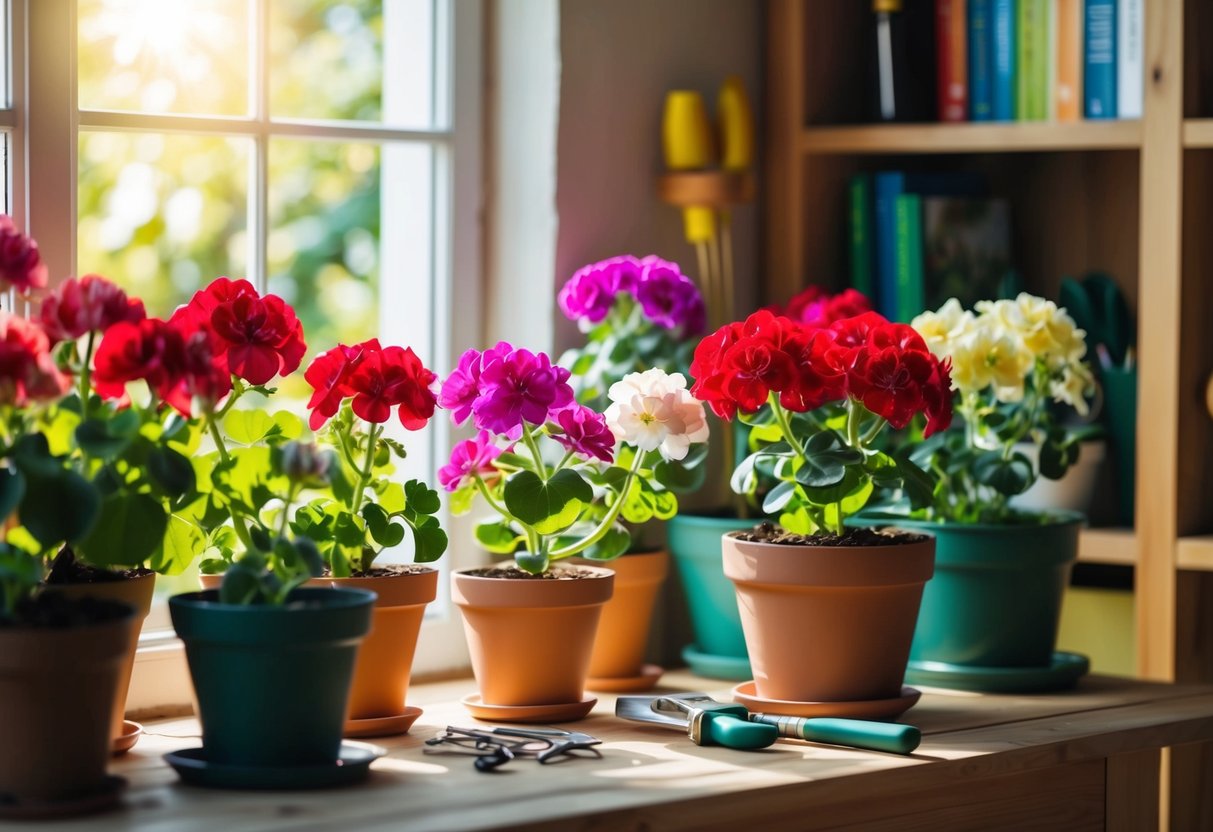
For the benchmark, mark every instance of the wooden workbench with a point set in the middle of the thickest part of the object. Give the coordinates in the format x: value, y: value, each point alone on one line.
x: 1086, y: 759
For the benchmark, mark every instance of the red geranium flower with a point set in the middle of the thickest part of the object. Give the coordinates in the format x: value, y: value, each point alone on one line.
x: 88, y: 304
x: 392, y: 377
x: 21, y: 264
x: 27, y: 370
x: 329, y: 375
x: 255, y: 337
x: 149, y: 350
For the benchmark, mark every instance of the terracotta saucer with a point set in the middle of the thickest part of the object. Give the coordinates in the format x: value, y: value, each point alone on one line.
x: 383, y: 726
x: 126, y: 741
x: 566, y: 712
x: 871, y: 709
x: 1061, y: 673
x: 730, y: 668
x: 352, y: 765
x: 105, y: 796
x: 649, y: 674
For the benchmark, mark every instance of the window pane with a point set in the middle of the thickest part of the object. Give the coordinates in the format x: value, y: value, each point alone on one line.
x: 359, y: 60
x: 162, y: 215
x: 164, y: 56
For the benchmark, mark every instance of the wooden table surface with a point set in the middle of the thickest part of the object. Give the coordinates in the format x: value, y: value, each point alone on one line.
x: 1076, y: 760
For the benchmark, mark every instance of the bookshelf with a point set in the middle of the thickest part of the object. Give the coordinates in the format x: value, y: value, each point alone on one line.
x: 1132, y: 198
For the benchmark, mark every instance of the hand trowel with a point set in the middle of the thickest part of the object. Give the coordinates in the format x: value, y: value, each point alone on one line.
x: 708, y: 722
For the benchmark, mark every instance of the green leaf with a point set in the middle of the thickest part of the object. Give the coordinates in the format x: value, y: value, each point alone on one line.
x: 550, y: 506
x: 498, y: 537
x: 107, y: 439
x: 58, y: 508
x: 420, y: 498
x: 677, y: 476
x: 129, y: 529
x: 509, y: 459
x: 460, y: 501
x: 854, y: 481
x: 429, y: 542
x: 395, y: 446
x: 249, y: 427
x: 183, y: 541
x: 918, y: 485
x: 1006, y: 476
x: 377, y: 521
x: 613, y: 544
x: 778, y: 497
x: 173, y: 472
x: 1056, y: 457
x: 529, y: 562
x: 12, y: 489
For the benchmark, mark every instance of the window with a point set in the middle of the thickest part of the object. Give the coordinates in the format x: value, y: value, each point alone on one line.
x: 327, y: 150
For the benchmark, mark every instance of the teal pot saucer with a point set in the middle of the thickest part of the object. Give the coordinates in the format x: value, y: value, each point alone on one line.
x: 1062, y: 673
x: 352, y: 765
x: 729, y: 668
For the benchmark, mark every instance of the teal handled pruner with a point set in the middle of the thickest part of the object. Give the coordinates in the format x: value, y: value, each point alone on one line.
x: 708, y: 722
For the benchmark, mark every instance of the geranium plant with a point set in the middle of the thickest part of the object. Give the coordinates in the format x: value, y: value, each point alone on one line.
x: 819, y: 397
x: 1010, y: 359
x: 636, y: 314
x: 539, y: 457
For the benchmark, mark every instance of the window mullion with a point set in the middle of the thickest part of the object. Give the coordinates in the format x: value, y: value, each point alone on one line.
x: 259, y: 182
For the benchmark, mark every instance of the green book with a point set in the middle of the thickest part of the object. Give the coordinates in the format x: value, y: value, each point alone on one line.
x: 1032, y: 83
x: 907, y: 242
x: 861, y: 234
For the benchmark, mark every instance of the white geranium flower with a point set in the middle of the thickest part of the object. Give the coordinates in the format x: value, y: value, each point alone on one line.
x: 942, y: 329
x: 654, y: 410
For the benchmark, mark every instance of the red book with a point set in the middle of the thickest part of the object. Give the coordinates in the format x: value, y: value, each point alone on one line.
x: 951, y: 33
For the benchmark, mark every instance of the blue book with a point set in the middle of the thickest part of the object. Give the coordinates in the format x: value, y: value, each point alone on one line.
x: 1099, y: 59
x: 981, y: 65
x: 886, y: 187
x: 1003, y: 46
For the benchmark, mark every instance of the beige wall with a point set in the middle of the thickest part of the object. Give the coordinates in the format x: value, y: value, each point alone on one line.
x: 618, y: 59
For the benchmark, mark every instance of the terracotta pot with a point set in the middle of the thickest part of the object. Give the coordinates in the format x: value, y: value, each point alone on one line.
x: 385, y: 657
x: 211, y: 581
x: 623, y: 629
x: 530, y: 640
x: 824, y: 623
x: 57, y: 691
x: 136, y: 593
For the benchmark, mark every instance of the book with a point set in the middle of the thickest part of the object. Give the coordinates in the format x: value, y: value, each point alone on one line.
x: 981, y: 65
x: 1032, y: 66
x: 907, y: 218
x: 886, y: 187
x: 1099, y: 59
x: 903, y: 45
x: 966, y: 249
x: 1130, y: 58
x: 1002, y: 52
x: 952, y: 60
x: 1067, y: 56
x: 860, y: 193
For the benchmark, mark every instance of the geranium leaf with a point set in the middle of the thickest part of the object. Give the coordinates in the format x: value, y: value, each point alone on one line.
x: 1006, y: 476
x: 778, y: 497
x: 173, y: 472
x: 129, y: 530
x: 613, y: 544
x: 547, y: 506
x: 918, y: 485
x: 12, y: 489
x: 249, y: 426
x: 498, y: 537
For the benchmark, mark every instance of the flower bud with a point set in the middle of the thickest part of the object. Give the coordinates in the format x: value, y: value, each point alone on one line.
x: 306, y: 462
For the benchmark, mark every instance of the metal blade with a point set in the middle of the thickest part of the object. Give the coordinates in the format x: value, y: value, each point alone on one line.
x: 640, y: 709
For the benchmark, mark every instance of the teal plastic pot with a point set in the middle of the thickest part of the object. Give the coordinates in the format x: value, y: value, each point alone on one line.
x: 995, y: 599
x: 695, y: 542
x: 272, y: 682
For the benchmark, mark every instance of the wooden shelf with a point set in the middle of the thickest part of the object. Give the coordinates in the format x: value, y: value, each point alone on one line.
x: 1198, y: 132
x: 1117, y: 547
x: 1195, y: 553
x: 971, y: 138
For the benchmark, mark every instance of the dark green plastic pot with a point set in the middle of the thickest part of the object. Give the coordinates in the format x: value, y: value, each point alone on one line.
x: 272, y: 682
x: 694, y: 541
x: 995, y: 599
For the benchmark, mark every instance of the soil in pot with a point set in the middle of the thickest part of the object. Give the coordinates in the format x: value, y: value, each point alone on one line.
x: 530, y: 636
x: 134, y: 587
x: 385, y: 657
x: 828, y: 618
x: 59, y: 666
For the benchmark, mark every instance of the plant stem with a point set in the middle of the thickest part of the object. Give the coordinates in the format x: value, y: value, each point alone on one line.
x: 86, y: 373
x: 871, y: 435
x: 533, y: 447
x: 609, y: 520
x: 238, y: 521
x: 852, y: 424
x: 785, y: 427
x: 364, y: 476
x: 564, y: 461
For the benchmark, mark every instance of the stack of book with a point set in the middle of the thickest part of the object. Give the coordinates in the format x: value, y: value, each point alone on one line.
x: 918, y: 239
x: 1039, y: 60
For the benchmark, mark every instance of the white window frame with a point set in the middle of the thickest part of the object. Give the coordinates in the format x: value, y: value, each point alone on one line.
x: 42, y: 126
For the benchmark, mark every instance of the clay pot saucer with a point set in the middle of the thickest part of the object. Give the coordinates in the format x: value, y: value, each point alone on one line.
x: 1061, y: 673
x: 564, y: 712
x: 870, y: 709
x: 645, y: 680
x: 351, y: 766
x: 729, y: 668
x: 383, y: 726
x: 124, y: 742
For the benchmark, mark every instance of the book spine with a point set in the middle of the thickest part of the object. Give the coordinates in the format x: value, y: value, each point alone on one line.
x: 1130, y: 58
x: 911, y: 292
x: 1032, y: 78
x: 1099, y: 59
x: 981, y: 65
x: 1002, y: 49
x: 1068, y: 54
x: 952, y: 57
x: 886, y: 188
x: 861, y: 235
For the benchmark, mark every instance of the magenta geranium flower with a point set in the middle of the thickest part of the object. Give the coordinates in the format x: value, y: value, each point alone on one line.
x: 469, y: 458
x: 669, y: 298
x: 585, y: 433
x: 516, y: 387
x: 590, y: 293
